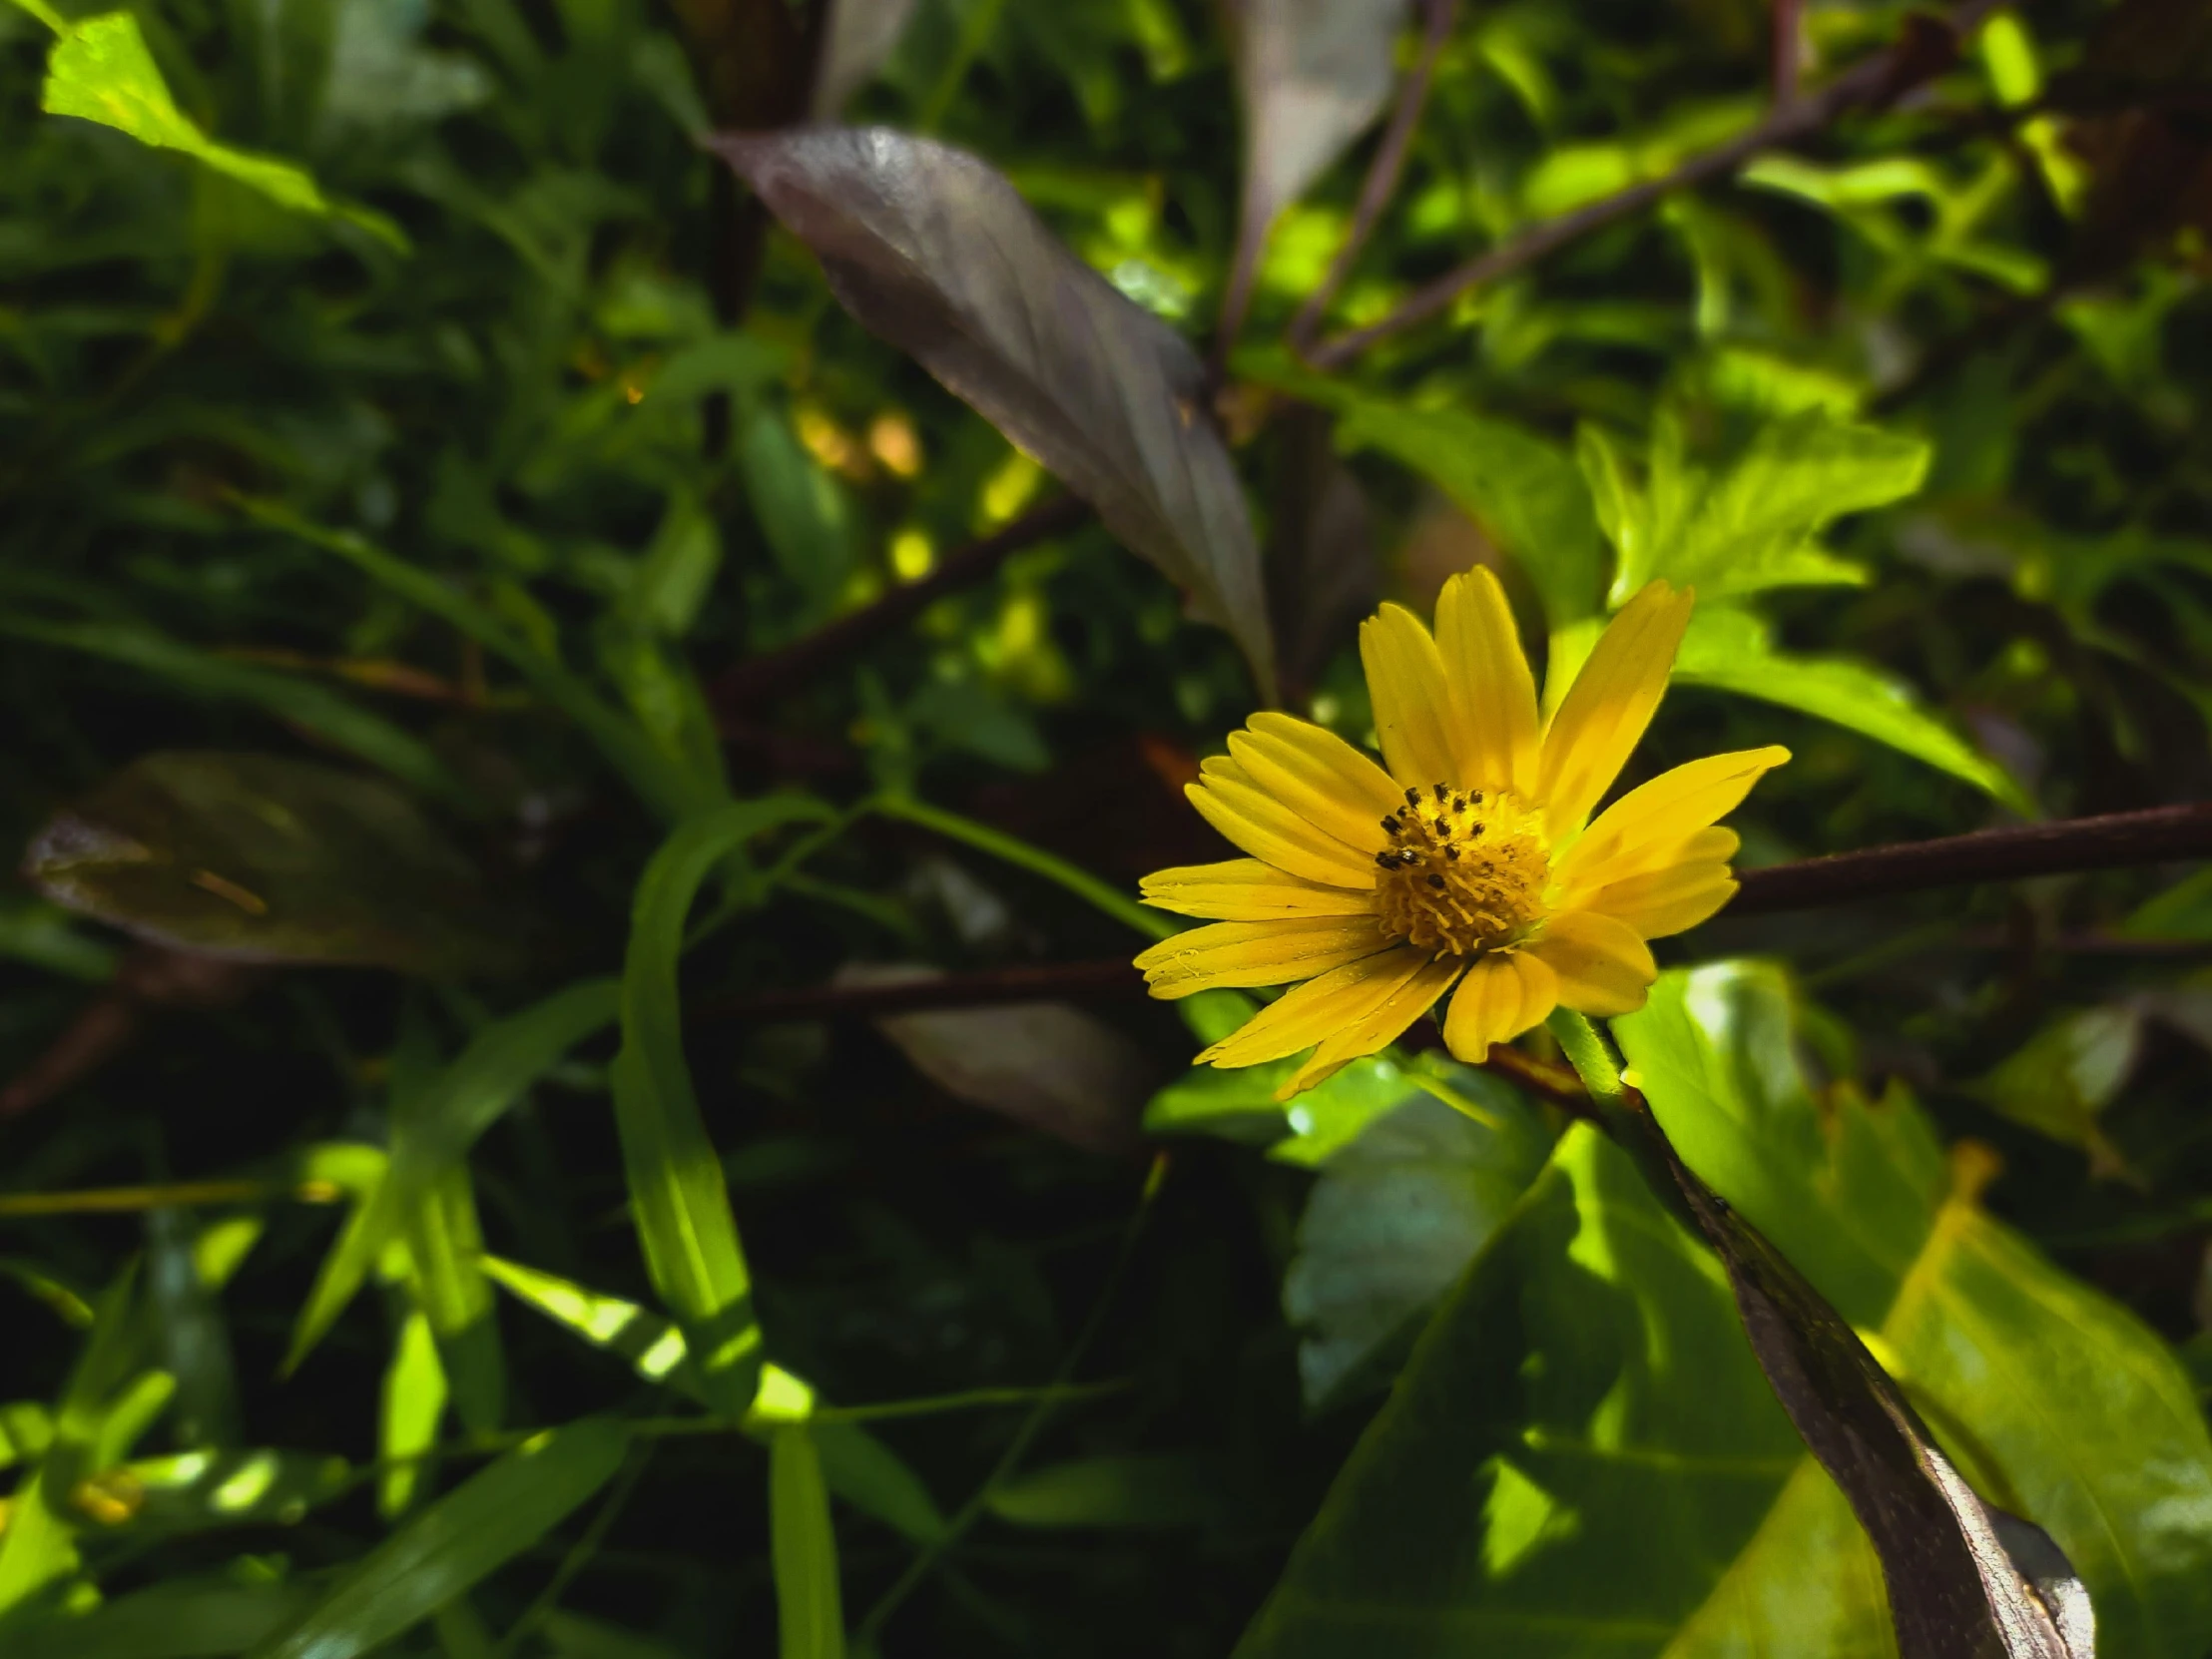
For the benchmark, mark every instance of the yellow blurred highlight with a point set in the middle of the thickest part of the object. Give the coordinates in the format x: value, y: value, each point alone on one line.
x: 830, y: 443
x: 913, y: 556
x: 892, y: 439
x: 111, y: 1499
x: 1008, y: 489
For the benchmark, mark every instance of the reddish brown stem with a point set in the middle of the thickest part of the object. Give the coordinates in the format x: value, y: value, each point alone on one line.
x: 759, y: 680
x: 1925, y: 50
x: 2110, y: 841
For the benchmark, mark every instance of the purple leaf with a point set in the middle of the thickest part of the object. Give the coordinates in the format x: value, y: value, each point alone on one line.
x: 934, y: 250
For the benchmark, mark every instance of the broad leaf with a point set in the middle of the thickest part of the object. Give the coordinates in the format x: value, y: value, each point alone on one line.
x: 259, y: 858
x: 931, y: 249
x: 1733, y: 651
x: 462, y: 1538
x: 1390, y: 1225
x: 1312, y: 75
x: 1583, y: 1450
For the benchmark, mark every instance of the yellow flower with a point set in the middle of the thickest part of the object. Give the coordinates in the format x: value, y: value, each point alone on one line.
x: 1471, y: 860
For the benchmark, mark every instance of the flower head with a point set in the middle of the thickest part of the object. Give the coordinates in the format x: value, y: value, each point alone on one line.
x: 1466, y: 859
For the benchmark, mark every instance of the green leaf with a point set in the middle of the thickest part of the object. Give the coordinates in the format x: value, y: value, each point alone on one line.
x: 1753, y: 522
x: 802, y: 509
x: 193, y: 1492
x: 260, y: 858
x: 1731, y: 649
x: 413, y: 1405
x: 860, y: 1468
x: 445, y: 1244
x: 2182, y: 911
x: 1522, y: 490
x: 433, y: 1128
x: 1143, y: 1491
x: 809, y: 1612
x: 678, y: 1196
x: 176, y: 1620
x: 296, y: 701
x: 1583, y: 1454
x: 101, y: 70
x: 458, y: 1541
x: 2056, y: 1403
x: 1390, y: 1225
x: 2063, y: 1078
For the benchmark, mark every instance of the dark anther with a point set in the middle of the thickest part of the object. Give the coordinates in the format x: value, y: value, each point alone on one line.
x: 1460, y: 804
x: 1443, y: 794
x: 1412, y: 797
x: 1477, y: 798
x: 1437, y: 881
x: 1384, y: 859
x: 1474, y: 829
x: 1452, y: 852
x: 1390, y: 827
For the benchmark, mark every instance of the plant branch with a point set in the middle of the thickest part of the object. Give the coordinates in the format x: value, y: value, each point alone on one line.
x: 1384, y: 172
x: 759, y: 680
x: 1925, y: 50
x: 2111, y: 842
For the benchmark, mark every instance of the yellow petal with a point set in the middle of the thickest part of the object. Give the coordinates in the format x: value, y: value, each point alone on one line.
x: 1494, y: 696
x: 1501, y: 996
x: 1604, y: 968
x: 1245, y: 890
x: 1663, y: 901
x: 1638, y: 830
x: 1319, y: 777
x: 1712, y: 845
x: 1320, y: 1008
x: 1263, y: 827
x: 1405, y: 683
x: 1610, y: 704
x: 1242, y: 953
x: 1378, y: 1028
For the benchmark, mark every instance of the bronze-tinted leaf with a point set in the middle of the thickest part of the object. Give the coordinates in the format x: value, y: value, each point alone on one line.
x: 934, y: 250
x: 260, y: 858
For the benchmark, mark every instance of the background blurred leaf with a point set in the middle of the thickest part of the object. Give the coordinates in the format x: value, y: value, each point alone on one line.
x: 1731, y: 649
x: 1101, y: 393
x: 259, y: 858
x: 462, y: 1538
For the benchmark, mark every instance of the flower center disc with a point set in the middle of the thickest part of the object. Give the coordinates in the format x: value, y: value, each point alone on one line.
x: 1465, y: 871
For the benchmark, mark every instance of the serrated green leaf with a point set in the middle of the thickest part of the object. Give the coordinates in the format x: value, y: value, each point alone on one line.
x: 1731, y: 649
x: 1752, y: 522
x: 455, y: 1543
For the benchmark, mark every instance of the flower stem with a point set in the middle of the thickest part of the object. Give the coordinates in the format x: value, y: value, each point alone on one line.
x: 1590, y: 1056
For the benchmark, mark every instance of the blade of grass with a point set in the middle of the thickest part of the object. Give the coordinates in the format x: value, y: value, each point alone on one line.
x: 678, y: 1195
x: 456, y: 1543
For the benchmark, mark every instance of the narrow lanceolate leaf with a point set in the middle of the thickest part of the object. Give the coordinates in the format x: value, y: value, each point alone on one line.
x: 459, y: 1540
x: 436, y: 1125
x: 860, y: 36
x: 934, y: 250
x: 810, y: 1614
x: 677, y: 1197
x: 1311, y: 74
x: 860, y: 1468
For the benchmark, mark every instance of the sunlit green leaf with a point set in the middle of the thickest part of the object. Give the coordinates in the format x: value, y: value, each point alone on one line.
x: 810, y: 1614
x: 456, y: 1542
x: 1731, y: 649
